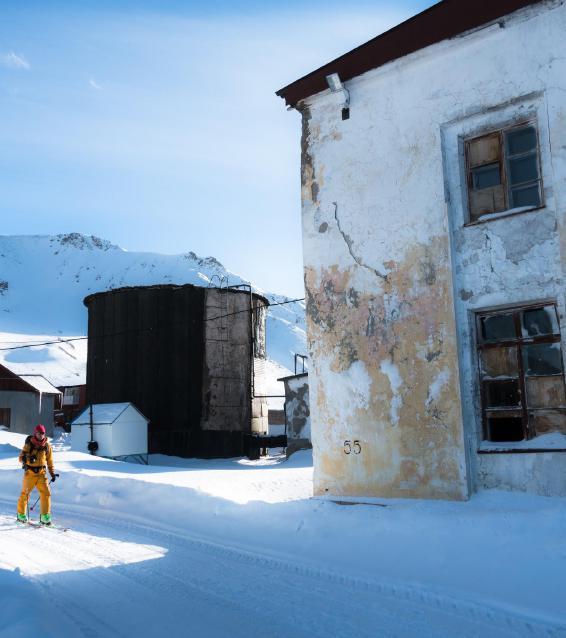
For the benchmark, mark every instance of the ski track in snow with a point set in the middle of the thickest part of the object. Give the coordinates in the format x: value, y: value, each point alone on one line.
x: 194, y: 587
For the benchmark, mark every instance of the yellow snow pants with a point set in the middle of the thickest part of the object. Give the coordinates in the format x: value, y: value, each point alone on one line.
x: 38, y: 481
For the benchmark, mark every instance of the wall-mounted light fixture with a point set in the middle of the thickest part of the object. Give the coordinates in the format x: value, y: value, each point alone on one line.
x: 335, y: 85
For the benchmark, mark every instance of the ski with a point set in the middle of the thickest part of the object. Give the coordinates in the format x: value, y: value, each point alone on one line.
x: 37, y: 525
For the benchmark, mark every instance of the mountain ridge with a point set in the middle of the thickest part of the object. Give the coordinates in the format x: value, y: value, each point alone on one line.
x: 44, y: 279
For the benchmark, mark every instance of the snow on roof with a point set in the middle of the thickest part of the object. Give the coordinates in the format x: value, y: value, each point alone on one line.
x: 102, y: 413
x: 40, y: 383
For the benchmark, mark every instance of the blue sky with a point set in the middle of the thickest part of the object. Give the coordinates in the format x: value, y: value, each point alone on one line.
x: 155, y: 124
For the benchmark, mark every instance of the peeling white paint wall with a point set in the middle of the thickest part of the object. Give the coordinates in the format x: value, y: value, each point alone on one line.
x: 391, y: 371
x: 391, y: 274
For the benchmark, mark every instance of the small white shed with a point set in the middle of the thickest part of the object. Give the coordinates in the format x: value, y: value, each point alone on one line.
x: 120, y: 430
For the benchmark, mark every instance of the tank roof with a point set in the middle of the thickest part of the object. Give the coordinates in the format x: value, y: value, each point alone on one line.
x: 89, y: 298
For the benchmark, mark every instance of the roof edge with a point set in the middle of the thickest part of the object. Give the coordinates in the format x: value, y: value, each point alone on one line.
x: 18, y: 377
x: 293, y: 376
x: 126, y: 404
x: 112, y: 291
x: 442, y: 21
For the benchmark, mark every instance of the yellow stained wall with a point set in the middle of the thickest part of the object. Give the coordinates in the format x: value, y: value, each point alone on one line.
x: 385, y: 400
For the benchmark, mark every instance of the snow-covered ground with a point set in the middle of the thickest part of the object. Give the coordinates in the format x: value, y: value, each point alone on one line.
x: 239, y: 548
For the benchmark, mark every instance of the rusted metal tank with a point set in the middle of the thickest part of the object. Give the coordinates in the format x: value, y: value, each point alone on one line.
x: 190, y: 358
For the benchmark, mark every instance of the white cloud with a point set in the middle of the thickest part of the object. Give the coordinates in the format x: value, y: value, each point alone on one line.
x: 95, y: 84
x: 14, y: 61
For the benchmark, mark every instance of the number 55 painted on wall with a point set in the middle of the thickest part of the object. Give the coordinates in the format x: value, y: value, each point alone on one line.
x: 352, y: 447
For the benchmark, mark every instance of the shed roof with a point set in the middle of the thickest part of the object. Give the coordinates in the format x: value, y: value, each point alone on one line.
x: 40, y: 383
x: 103, y: 413
x: 442, y: 21
x: 293, y: 376
x: 12, y: 381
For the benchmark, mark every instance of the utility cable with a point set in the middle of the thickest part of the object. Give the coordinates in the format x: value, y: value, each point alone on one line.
x: 122, y: 332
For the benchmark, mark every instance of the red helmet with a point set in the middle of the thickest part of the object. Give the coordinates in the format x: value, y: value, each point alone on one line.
x: 39, y: 428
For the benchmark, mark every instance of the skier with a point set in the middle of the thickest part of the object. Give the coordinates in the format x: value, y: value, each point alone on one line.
x: 36, y: 456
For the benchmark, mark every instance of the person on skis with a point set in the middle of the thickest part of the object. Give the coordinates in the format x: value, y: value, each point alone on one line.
x: 36, y: 457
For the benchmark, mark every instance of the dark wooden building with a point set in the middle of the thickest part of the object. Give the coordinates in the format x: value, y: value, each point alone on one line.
x: 72, y: 401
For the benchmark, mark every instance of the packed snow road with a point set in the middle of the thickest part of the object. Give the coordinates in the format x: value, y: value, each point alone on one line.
x: 111, y: 576
x: 232, y: 547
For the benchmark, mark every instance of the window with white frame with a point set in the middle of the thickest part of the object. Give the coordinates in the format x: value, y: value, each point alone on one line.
x: 523, y: 393
x: 503, y: 171
x: 72, y: 396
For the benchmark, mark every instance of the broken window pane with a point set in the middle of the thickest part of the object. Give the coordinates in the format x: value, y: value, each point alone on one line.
x: 503, y: 176
x: 498, y: 327
x: 540, y: 321
x: 499, y: 362
x: 484, y: 150
x: 545, y: 392
x: 542, y: 359
x: 529, y: 196
x: 521, y: 140
x: 487, y: 201
x: 509, y: 428
x: 486, y: 176
x: 548, y: 421
x: 523, y: 169
x: 535, y: 390
x: 499, y: 394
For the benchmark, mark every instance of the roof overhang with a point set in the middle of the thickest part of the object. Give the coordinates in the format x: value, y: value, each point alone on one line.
x: 442, y: 21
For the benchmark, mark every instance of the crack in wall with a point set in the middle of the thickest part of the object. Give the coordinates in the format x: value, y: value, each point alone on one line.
x: 350, y: 243
x: 489, y: 249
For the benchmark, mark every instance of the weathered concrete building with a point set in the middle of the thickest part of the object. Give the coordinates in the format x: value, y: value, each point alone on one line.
x: 434, y: 211
x: 192, y: 360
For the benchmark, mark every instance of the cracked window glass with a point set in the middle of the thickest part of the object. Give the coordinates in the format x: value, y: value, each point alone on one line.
x: 540, y: 321
x: 498, y: 327
x: 542, y: 359
x: 523, y: 389
x: 503, y: 171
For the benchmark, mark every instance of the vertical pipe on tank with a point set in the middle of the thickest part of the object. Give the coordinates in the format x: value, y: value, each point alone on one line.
x: 91, y: 446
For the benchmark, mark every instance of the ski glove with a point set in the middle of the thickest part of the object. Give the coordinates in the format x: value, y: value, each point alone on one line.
x: 53, y: 477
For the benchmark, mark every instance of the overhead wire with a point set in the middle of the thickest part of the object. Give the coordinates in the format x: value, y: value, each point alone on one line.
x: 35, y: 344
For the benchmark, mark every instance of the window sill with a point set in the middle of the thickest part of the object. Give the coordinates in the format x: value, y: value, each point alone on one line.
x: 554, y: 442
x: 533, y: 450
x: 503, y: 214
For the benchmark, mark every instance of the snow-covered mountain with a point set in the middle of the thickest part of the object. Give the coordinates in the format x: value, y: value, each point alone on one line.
x: 44, y: 279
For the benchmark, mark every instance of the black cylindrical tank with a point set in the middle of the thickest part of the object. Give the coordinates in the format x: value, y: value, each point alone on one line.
x: 184, y: 356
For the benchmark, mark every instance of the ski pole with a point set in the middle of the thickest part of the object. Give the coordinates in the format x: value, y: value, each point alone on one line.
x: 28, y: 494
x: 51, y: 481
